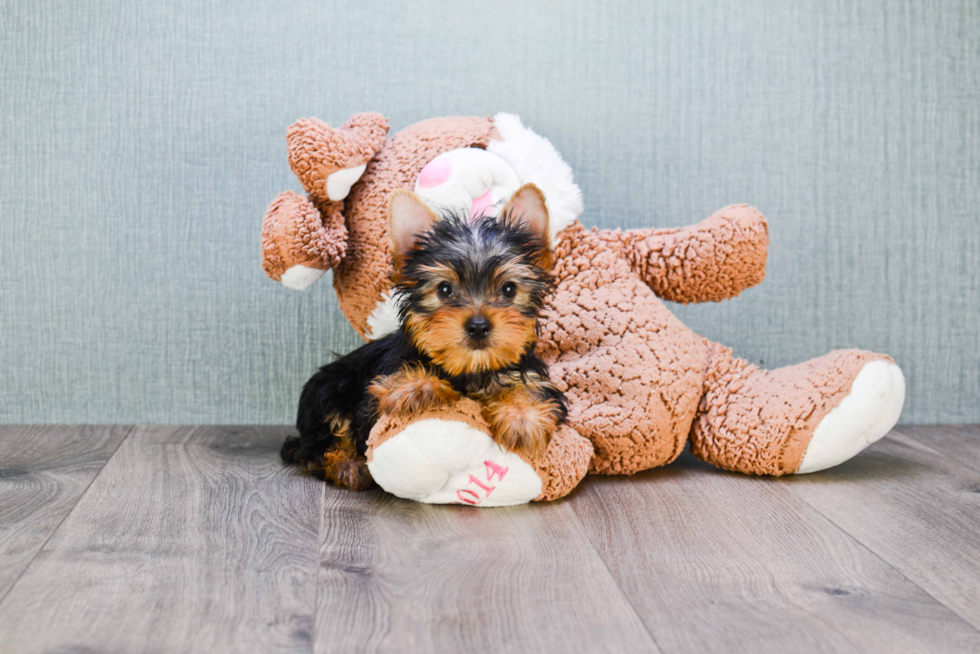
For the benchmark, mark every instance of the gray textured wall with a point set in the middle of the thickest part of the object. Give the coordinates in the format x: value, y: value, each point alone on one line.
x: 141, y: 141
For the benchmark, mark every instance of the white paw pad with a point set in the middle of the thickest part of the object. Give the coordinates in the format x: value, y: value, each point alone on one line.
x: 300, y: 278
x: 339, y: 183
x: 865, y: 414
x: 449, y: 462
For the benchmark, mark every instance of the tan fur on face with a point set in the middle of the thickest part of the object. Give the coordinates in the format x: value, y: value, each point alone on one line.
x: 443, y: 337
x: 410, y: 391
x: 435, y: 275
x: 521, y: 421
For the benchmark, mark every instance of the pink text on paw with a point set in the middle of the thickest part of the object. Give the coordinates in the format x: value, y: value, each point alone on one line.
x: 476, y: 490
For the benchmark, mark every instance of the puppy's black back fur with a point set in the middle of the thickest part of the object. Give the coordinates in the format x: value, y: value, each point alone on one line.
x: 340, y: 388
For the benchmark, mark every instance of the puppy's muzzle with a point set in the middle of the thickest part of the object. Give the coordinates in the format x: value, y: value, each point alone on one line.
x: 478, y: 328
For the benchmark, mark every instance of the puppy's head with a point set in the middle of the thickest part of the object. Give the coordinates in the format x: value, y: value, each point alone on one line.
x: 471, y: 290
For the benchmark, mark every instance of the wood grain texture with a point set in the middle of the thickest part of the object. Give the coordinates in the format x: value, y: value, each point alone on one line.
x: 718, y: 562
x: 915, y: 508
x: 191, y: 540
x: 397, y: 576
x: 200, y: 540
x: 958, y: 442
x: 43, y: 473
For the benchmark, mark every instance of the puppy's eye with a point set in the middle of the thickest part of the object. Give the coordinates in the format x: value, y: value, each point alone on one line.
x: 509, y: 290
x: 445, y: 290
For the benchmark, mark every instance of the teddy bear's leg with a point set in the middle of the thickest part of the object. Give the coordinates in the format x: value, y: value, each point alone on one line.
x: 299, y: 243
x: 329, y: 160
x: 446, y: 456
x: 796, y: 419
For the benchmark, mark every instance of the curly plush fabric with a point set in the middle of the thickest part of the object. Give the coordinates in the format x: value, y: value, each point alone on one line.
x: 712, y: 261
x: 295, y: 232
x: 632, y: 372
x: 760, y: 421
x: 564, y: 465
x: 317, y: 150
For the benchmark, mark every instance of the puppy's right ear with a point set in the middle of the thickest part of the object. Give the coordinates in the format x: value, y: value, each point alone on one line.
x: 408, y: 217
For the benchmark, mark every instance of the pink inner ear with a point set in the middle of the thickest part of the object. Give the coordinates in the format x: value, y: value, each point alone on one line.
x: 481, y: 204
x: 435, y: 173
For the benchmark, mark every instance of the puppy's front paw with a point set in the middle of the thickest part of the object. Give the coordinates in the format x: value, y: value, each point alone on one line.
x: 411, y: 391
x: 523, y: 423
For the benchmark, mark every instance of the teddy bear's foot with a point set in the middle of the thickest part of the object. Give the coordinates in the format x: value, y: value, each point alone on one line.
x: 800, y: 418
x: 865, y: 414
x: 447, y: 456
x: 299, y: 243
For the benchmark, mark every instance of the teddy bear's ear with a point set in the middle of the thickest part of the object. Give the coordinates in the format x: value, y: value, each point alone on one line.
x: 527, y: 206
x: 408, y: 216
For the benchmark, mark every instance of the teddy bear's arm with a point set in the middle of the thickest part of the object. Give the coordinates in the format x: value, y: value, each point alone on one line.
x: 447, y: 455
x: 714, y: 260
x: 299, y: 242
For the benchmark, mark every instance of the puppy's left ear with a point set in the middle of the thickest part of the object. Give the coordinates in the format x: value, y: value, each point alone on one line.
x: 527, y: 207
x: 408, y: 217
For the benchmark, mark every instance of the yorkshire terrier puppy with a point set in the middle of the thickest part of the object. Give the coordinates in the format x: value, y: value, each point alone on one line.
x: 470, y: 293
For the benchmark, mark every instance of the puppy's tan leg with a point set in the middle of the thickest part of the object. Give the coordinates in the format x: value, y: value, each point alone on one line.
x: 344, y: 467
x: 522, y: 420
x: 410, y: 391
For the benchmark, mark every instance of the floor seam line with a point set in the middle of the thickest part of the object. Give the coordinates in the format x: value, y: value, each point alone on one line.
x: 885, y: 561
x: 941, y: 454
x: 316, y: 569
x: 615, y: 581
x: 54, y: 531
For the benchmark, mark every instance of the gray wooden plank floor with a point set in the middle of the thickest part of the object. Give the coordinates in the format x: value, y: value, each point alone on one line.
x: 405, y: 576
x: 915, y: 508
x: 43, y: 473
x: 169, y: 539
x: 736, y: 563
x: 188, y: 540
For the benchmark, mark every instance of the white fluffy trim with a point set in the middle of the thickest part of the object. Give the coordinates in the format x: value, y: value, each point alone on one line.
x: 536, y: 160
x: 300, y: 278
x: 339, y: 183
x: 384, y: 319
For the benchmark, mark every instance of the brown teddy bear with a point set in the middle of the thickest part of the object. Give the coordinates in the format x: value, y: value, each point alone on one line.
x: 640, y: 384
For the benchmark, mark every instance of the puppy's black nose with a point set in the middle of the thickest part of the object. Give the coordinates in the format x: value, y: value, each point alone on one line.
x: 478, y: 327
